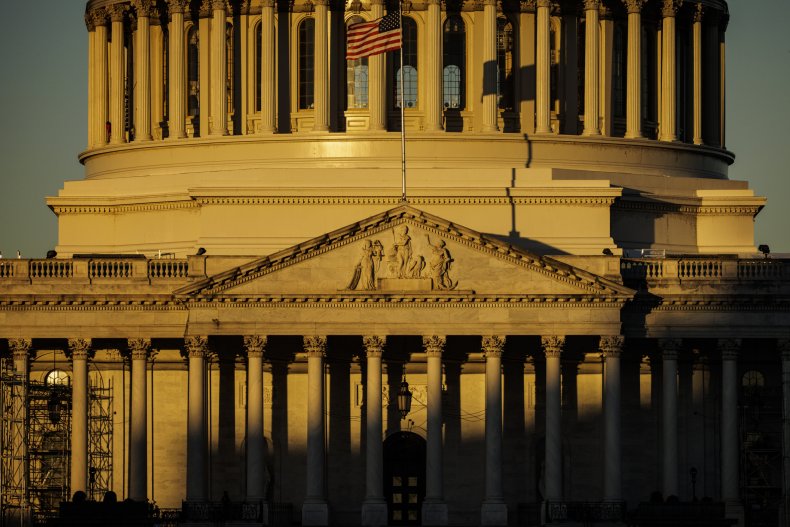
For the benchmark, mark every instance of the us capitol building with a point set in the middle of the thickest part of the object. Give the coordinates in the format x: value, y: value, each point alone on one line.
x: 567, y: 319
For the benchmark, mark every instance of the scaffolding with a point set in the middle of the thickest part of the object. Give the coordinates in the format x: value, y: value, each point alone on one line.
x: 35, y: 446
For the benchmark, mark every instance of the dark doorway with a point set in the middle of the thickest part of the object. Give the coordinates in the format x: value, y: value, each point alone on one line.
x: 404, y: 477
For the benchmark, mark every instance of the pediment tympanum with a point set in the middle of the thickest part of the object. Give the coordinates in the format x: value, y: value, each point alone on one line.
x: 401, y: 253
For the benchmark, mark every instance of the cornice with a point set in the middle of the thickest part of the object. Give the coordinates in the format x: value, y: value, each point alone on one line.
x: 664, y: 207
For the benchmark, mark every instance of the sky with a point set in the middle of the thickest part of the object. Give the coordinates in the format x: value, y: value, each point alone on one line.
x: 43, y: 113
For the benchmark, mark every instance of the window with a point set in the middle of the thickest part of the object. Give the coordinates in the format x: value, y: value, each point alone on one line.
x: 454, y: 46
x: 753, y: 379
x: 409, y: 42
x: 356, y: 77
x: 193, y: 72
x: 306, y: 63
x: 504, y: 55
x: 57, y: 377
x: 619, y: 71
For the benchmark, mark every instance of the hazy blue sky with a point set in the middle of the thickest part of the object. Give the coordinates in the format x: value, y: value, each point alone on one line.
x: 43, y: 98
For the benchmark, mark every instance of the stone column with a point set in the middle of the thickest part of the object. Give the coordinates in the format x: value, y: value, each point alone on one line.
x: 669, y: 10
x: 633, y: 127
x: 142, y: 56
x: 268, y: 62
x: 543, y: 69
x: 219, y: 69
x: 315, y: 510
x: 697, y: 65
x: 321, y: 69
x: 377, y: 95
x: 490, y: 66
x: 20, y: 352
x: 783, y: 346
x: 434, y: 508
x: 669, y: 427
x: 494, y: 509
x: 100, y: 77
x: 433, y: 67
x: 729, y: 349
x: 138, y: 422
x: 79, y: 349
x: 197, y: 431
x: 92, y: 129
x: 374, y: 508
x: 552, y: 348
x: 117, y: 123
x: 591, y: 71
x: 255, y: 345
x: 177, y: 70
x: 611, y: 347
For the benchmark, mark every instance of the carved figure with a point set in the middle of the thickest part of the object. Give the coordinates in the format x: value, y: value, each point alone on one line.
x: 439, y: 265
x: 364, y: 278
x: 401, y: 262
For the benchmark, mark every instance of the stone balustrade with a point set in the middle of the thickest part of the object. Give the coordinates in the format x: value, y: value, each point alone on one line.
x: 712, y: 268
x: 100, y: 269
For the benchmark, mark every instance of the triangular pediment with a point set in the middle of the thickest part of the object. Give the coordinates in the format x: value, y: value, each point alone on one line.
x: 406, y: 252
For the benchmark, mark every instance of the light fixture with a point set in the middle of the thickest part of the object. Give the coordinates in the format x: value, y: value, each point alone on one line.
x: 54, y: 408
x: 404, y: 399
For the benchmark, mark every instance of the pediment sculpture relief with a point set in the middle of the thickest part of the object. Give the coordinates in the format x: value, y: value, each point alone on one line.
x: 405, y: 268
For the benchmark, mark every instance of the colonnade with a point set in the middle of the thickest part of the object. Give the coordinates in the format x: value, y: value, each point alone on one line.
x: 107, y: 74
x: 374, y: 510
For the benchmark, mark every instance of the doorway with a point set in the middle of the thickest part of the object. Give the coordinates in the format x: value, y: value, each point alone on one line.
x: 404, y: 477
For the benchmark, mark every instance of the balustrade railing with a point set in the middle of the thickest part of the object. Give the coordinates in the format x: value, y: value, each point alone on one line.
x: 764, y: 269
x: 645, y: 269
x: 51, y: 268
x: 6, y: 269
x: 585, y: 511
x: 110, y: 269
x: 163, y: 269
x: 702, y: 269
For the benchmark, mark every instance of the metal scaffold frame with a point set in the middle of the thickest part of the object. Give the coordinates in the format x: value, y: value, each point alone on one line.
x: 35, y: 446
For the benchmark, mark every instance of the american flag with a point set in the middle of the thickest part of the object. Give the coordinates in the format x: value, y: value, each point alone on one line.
x: 372, y: 38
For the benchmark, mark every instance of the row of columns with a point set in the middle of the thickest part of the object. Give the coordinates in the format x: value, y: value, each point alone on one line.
x: 112, y: 111
x: 315, y: 509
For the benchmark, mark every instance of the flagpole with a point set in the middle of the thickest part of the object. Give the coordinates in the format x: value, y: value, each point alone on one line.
x: 402, y: 116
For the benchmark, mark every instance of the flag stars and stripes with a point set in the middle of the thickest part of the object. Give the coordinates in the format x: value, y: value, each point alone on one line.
x: 371, y: 38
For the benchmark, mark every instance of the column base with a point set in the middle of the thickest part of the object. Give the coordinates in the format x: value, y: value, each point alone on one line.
x: 733, y: 510
x: 315, y: 512
x: 493, y: 512
x: 434, y: 512
x: 374, y: 512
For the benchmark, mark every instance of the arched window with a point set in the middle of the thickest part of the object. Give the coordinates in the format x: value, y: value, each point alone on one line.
x: 306, y: 63
x: 193, y: 72
x: 619, y: 71
x: 504, y: 55
x: 356, y: 76
x: 454, y: 46
x: 229, y: 73
x: 57, y: 377
x: 753, y: 379
x: 409, y: 43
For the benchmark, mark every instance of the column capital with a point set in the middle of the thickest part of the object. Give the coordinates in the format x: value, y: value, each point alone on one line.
x: 605, y: 12
x: 489, y: 2
x: 20, y: 348
x: 528, y: 6
x: 493, y: 345
x: 314, y: 345
x: 697, y: 13
x: 374, y: 345
x: 196, y: 346
x: 89, y: 23
x: 634, y: 6
x: 433, y: 345
x: 729, y: 348
x: 783, y: 346
x: 79, y: 348
x: 543, y: 3
x: 267, y: 3
x: 255, y: 345
x: 144, y: 8
x: 669, y: 8
x: 98, y: 16
x: 552, y: 345
x: 434, y: 2
x: 117, y: 12
x: 205, y: 9
x: 592, y: 5
x: 670, y: 348
x: 611, y: 345
x: 221, y: 5
x: 177, y: 6
x: 139, y: 348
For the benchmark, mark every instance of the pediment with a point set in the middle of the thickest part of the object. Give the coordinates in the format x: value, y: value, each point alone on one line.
x: 405, y: 252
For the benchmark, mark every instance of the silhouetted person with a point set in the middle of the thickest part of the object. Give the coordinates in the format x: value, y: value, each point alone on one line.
x: 225, y: 505
x: 110, y: 497
x: 656, y: 497
x: 79, y: 497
